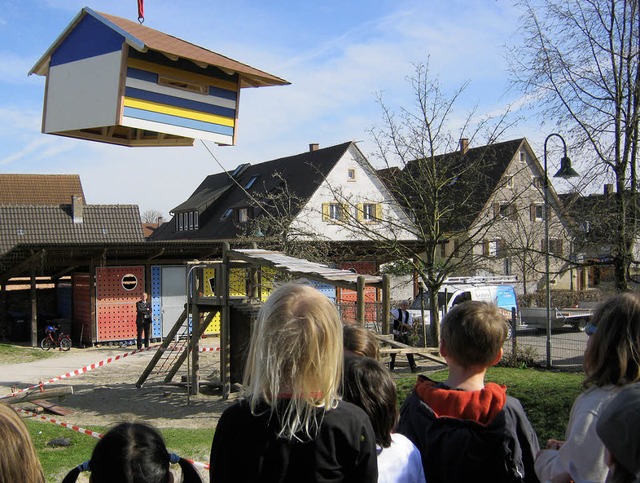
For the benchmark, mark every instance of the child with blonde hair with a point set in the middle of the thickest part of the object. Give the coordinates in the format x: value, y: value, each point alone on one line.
x: 290, y: 424
x: 18, y: 458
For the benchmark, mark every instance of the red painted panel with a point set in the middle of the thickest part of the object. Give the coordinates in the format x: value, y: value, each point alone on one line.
x: 117, y: 291
x: 82, y: 327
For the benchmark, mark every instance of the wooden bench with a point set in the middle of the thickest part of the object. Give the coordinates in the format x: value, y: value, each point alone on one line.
x: 389, y: 346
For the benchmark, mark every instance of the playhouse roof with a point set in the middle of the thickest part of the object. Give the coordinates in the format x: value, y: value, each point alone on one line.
x: 144, y: 38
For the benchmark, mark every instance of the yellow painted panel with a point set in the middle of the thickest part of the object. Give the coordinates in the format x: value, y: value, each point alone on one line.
x: 178, y: 111
x: 267, y: 278
x: 237, y: 282
x: 182, y: 74
x: 214, y: 326
x: 209, y: 277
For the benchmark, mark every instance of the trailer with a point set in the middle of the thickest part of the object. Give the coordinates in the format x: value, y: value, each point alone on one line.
x: 536, y: 317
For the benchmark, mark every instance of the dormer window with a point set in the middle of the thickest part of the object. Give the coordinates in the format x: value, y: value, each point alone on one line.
x: 250, y: 182
x: 243, y: 214
x: 187, y: 221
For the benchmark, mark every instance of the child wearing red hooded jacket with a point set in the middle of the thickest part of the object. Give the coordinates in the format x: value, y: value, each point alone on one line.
x: 465, y: 428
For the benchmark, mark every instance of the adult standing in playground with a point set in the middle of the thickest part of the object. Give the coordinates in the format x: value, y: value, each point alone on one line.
x: 402, y: 326
x: 143, y: 320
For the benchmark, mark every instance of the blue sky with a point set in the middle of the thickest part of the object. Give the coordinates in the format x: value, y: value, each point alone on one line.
x: 336, y: 54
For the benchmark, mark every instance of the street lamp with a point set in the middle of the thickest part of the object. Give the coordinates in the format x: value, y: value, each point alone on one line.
x: 565, y: 171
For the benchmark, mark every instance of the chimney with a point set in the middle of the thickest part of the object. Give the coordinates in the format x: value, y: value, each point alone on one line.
x: 608, y: 189
x: 313, y: 147
x: 76, y: 208
x: 160, y: 220
x: 464, y: 145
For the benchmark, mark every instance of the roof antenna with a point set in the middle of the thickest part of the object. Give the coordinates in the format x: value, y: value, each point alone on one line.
x: 141, y: 11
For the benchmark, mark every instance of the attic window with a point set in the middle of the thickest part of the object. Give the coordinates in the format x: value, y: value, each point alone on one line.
x: 251, y: 181
x: 183, y: 85
x: 523, y: 156
x: 242, y: 215
x: 351, y: 174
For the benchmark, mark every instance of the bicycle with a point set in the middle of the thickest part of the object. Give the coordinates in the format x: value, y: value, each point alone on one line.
x: 62, y: 341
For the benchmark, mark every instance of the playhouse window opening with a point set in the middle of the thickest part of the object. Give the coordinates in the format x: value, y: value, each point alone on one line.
x: 183, y: 85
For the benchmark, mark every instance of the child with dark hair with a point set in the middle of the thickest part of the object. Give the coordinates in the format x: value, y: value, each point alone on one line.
x: 618, y: 428
x: 133, y: 453
x: 369, y: 384
x: 611, y: 361
x: 359, y: 341
x: 465, y: 428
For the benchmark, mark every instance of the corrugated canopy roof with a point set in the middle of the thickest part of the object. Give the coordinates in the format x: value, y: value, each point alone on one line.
x: 144, y: 38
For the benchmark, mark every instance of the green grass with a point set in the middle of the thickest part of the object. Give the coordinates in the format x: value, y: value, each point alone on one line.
x: 546, y: 396
x: 193, y: 444
x: 14, y: 354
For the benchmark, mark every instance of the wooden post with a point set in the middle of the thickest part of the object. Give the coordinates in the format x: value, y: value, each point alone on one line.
x: 225, y: 326
x: 360, y: 306
x: 34, y: 307
x: 386, y: 302
x: 194, y: 348
x: 4, y: 320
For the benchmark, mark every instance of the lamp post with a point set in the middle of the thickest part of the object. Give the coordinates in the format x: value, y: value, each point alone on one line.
x: 565, y: 171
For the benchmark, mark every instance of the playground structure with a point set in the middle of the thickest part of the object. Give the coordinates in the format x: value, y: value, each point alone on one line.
x: 237, y: 311
x: 263, y: 269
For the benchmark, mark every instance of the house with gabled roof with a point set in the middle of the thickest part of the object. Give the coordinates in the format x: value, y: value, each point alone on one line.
x: 322, y: 188
x: 495, y: 193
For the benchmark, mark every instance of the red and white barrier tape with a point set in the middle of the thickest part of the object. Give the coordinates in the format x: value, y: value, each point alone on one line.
x: 61, y: 423
x: 77, y: 372
x: 88, y: 432
x: 209, y: 349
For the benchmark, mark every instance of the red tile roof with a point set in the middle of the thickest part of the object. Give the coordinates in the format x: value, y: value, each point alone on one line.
x: 39, y: 189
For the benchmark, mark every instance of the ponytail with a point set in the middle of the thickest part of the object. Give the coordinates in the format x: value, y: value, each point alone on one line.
x: 189, y: 472
x: 72, y: 476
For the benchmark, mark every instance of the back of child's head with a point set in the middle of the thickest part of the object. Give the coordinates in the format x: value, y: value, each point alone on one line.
x: 360, y: 341
x: 473, y: 333
x: 613, y: 351
x: 369, y: 384
x: 18, y: 458
x: 295, y: 356
x: 133, y: 453
x: 618, y: 427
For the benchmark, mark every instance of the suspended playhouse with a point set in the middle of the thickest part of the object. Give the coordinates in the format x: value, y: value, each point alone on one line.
x: 116, y: 81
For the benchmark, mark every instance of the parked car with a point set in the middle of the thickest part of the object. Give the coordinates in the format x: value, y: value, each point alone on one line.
x: 459, y: 290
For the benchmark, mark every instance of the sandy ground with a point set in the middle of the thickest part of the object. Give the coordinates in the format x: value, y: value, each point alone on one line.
x: 108, y: 394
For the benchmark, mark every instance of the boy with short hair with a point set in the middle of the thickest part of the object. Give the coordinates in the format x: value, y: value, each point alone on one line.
x: 465, y: 428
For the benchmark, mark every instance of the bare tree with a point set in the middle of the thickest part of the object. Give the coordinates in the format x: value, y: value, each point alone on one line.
x: 579, y: 63
x: 150, y: 216
x: 442, y: 194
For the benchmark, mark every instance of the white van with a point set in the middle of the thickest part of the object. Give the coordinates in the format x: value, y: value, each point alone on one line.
x: 455, y: 290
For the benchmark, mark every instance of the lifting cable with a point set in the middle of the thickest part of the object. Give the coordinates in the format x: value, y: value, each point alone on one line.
x: 141, y: 11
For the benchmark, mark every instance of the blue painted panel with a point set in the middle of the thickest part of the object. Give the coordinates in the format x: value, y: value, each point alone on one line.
x: 179, y: 102
x: 64, y: 296
x: 156, y: 301
x: 325, y: 288
x: 142, y: 75
x: 177, y: 121
x: 90, y: 38
x: 224, y: 93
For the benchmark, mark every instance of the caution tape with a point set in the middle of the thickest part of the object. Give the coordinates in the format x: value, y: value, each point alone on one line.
x: 209, y: 349
x: 88, y: 432
x: 77, y: 372
x: 61, y: 423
